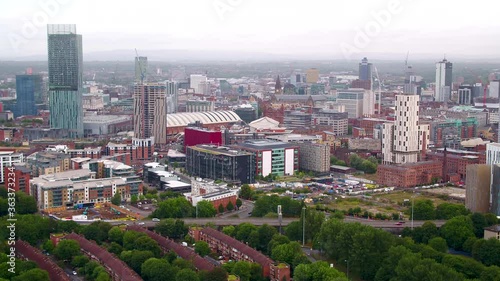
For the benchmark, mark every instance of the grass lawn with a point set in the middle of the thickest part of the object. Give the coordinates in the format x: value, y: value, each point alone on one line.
x: 397, y: 198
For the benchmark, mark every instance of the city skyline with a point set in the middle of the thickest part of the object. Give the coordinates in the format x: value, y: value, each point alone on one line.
x: 319, y: 30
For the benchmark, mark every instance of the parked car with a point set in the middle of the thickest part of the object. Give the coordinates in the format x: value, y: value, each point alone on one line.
x: 141, y: 223
x: 74, y: 273
x: 156, y: 219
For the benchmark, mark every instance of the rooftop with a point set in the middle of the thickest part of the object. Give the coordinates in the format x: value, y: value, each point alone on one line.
x: 494, y: 228
x: 264, y: 144
x: 104, y: 119
x: 218, y: 150
x: 208, y: 117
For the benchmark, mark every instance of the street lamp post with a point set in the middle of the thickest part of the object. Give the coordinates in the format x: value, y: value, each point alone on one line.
x: 412, y: 204
x: 196, y: 210
x: 347, y: 262
x: 303, y: 226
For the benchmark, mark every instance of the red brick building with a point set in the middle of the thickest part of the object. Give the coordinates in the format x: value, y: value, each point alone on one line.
x: 168, y: 245
x: 232, y: 249
x: 117, y: 269
x: 25, y: 251
x: 456, y: 161
x: 20, y: 176
x: 410, y: 174
x: 131, y: 153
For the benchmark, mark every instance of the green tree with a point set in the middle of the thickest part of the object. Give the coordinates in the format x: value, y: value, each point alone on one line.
x: 134, y: 199
x: 238, y: 203
x: 116, y: 199
x: 230, y: 206
x: 246, y: 192
x: 317, y: 271
x: 457, y: 230
x: 172, y: 228
x: 174, y: 208
x: 294, y: 231
x: 424, y: 233
x: 487, y: 251
x: 79, y: 261
x: 206, y: 209
x: 115, y: 248
x: 115, y: 234
x: 423, y: 210
x: 216, y: 274
x: 129, y: 238
x: 243, y: 231
x: 470, y: 268
x: 286, y: 252
x: 35, y: 274
x: 157, y: 270
x: 266, y: 234
x: 446, y: 211
x: 491, y: 273
x: 146, y: 243
x: 25, y: 204
x: 229, y: 230
x: 186, y: 274
x: 135, y: 258
x: 97, y: 231
x: 67, y: 249
x: 438, y: 244
x: 48, y: 246
x: 479, y: 222
x: 242, y: 269
x: 202, y: 248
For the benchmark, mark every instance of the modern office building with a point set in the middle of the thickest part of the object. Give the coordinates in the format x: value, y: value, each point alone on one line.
x: 493, y: 153
x: 365, y: 70
x: 29, y: 90
x: 220, y: 163
x: 357, y: 102
x: 272, y: 157
x: 150, y: 112
x: 465, y: 95
x: 65, y: 78
x: 7, y: 159
x: 494, y: 89
x: 141, y: 69
x: 477, y: 188
x: 200, y: 105
x: 312, y: 75
x: 194, y: 136
x: 295, y: 119
x: 195, y: 80
x: 443, y: 80
x: 246, y: 112
x: 337, y: 120
x: 405, y: 140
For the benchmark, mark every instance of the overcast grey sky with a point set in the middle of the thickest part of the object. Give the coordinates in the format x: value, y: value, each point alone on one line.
x: 319, y: 27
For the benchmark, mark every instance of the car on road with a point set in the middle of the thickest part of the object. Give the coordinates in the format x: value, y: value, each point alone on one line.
x: 141, y: 223
x: 156, y: 219
x: 398, y: 223
x: 74, y: 273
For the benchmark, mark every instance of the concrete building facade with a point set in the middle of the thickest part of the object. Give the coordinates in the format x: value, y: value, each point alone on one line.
x: 477, y: 188
x: 314, y: 157
x: 405, y: 140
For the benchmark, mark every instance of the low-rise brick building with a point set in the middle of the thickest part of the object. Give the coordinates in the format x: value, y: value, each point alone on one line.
x: 232, y: 249
x: 410, y: 174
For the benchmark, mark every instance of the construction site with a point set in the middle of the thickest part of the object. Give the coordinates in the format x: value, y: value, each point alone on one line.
x: 104, y: 211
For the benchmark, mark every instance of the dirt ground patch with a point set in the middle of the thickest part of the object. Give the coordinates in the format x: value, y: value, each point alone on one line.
x: 103, y: 213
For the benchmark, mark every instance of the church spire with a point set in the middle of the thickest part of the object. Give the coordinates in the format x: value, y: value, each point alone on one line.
x: 277, y: 87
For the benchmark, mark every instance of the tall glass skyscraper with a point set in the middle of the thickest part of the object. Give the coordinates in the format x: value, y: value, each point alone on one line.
x: 65, y: 78
x: 28, y: 91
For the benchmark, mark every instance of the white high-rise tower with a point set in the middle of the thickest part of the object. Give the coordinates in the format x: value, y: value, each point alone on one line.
x: 405, y: 140
x: 443, y: 80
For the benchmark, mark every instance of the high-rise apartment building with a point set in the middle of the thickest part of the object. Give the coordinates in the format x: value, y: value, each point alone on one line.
x: 405, y: 140
x: 172, y: 89
x: 141, y: 69
x: 494, y: 89
x: 28, y: 91
x: 443, y: 80
x: 150, y: 111
x: 365, y: 70
x: 65, y: 78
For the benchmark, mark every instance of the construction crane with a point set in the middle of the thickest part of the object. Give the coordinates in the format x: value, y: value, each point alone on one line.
x: 480, y: 80
x: 141, y: 66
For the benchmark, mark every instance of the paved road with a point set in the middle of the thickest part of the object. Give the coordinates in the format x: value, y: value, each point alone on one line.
x: 244, y: 211
x: 274, y: 222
